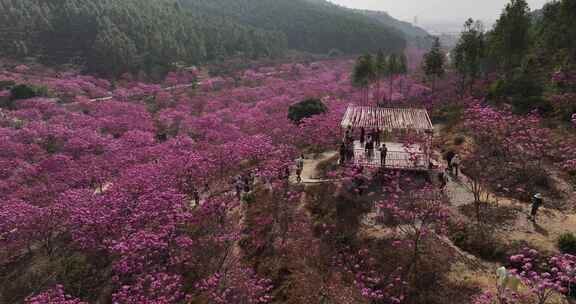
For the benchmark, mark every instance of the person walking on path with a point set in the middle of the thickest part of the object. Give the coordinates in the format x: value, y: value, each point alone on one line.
x: 536, y: 203
x: 455, y: 164
x: 299, y: 168
x: 238, y: 185
x: 443, y: 180
x: 449, y: 156
x: 343, y: 153
x: 196, y: 196
x: 349, y: 151
x: 383, y: 154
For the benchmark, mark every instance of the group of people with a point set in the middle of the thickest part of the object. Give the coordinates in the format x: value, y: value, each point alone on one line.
x: 370, y: 142
x: 244, y: 183
x: 284, y: 173
x: 454, y: 167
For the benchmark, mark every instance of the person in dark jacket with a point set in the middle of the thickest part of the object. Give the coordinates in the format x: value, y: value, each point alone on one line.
x: 448, y: 158
x: 343, y: 153
x: 536, y: 204
x: 369, y: 149
x: 383, y: 154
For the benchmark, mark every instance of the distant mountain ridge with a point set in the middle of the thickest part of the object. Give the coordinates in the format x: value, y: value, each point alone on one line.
x: 408, y: 29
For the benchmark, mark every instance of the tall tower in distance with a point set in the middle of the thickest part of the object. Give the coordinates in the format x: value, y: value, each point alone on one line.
x: 415, y: 20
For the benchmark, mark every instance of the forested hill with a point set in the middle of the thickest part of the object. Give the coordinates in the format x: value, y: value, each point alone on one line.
x: 313, y: 26
x: 413, y: 33
x: 109, y: 37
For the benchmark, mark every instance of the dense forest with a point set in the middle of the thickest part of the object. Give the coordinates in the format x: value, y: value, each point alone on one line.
x: 414, y: 35
x: 314, y: 26
x: 526, y: 56
x: 111, y: 37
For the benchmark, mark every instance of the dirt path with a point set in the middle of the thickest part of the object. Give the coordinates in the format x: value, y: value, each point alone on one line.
x: 310, y: 170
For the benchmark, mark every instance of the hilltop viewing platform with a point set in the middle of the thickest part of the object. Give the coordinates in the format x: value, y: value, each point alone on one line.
x: 394, y: 123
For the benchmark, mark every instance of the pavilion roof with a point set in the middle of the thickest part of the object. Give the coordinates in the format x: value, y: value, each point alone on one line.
x: 387, y: 118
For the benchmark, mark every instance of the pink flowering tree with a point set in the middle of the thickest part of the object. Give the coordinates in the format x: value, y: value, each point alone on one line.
x: 542, y: 276
x: 418, y: 212
x: 53, y: 296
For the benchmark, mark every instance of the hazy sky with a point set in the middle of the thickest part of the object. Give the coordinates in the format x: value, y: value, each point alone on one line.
x: 437, y: 10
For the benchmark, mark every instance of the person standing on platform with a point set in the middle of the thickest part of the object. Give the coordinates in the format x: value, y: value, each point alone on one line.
x: 383, y: 154
x: 369, y: 149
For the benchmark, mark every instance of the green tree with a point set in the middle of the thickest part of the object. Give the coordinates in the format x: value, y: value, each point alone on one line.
x: 434, y: 62
x: 393, y: 70
x: 402, y: 70
x: 364, y: 74
x: 510, y: 39
x: 305, y: 109
x: 381, y: 70
x: 469, y: 53
x: 555, y: 34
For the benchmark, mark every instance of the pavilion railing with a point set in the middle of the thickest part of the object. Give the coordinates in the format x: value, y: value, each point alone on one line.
x: 394, y: 159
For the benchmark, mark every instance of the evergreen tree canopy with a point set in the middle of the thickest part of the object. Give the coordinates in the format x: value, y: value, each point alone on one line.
x: 510, y: 40
x: 434, y: 61
x: 305, y: 109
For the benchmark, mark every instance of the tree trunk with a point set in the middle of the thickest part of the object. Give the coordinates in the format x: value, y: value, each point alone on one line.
x: 391, y: 88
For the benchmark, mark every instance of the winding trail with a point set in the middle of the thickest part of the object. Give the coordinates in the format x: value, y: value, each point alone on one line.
x: 310, y: 170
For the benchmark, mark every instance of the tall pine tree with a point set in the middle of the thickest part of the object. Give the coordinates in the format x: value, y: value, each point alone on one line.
x: 434, y: 62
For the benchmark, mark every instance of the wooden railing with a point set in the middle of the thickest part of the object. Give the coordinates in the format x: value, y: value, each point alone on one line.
x: 394, y: 159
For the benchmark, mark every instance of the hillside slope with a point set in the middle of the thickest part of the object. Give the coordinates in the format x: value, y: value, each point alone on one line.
x: 413, y: 33
x: 313, y: 26
x: 110, y: 37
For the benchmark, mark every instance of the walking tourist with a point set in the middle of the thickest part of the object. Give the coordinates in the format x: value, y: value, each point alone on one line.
x: 448, y: 158
x: 455, y: 164
x: 536, y: 203
x: 343, y: 153
x: 238, y: 186
x: 443, y: 177
x: 196, y: 196
x: 299, y: 168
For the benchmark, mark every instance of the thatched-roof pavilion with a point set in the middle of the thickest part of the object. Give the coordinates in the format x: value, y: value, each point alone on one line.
x: 404, y: 156
x: 391, y: 119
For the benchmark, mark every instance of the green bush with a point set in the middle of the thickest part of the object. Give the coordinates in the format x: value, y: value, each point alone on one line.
x: 479, y: 243
x: 24, y: 91
x: 305, y: 109
x: 449, y: 114
x: 458, y: 140
x: 327, y: 166
x: 74, y: 273
x: 567, y: 243
x: 522, y: 91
